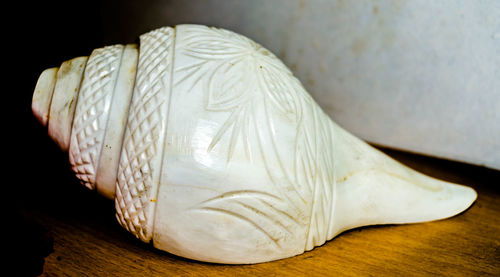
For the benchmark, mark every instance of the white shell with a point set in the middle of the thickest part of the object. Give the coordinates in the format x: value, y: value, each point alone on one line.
x: 213, y: 151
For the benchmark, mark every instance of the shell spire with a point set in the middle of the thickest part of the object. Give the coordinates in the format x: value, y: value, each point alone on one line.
x: 214, y: 151
x: 84, y: 103
x: 55, y: 98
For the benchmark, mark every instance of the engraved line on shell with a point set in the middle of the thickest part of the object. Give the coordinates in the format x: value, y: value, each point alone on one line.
x: 91, y: 112
x: 261, y: 213
x: 264, y: 198
x: 279, y: 211
x: 266, y: 165
x: 130, y: 174
x: 242, y: 193
x: 272, y: 136
x: 244, y: 219
x: 293, y: 98
x: 167, y: 113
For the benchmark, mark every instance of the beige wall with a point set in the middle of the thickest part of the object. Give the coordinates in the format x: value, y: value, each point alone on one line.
x: 422, y: 76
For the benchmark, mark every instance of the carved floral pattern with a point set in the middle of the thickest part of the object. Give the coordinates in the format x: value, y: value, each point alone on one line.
x: 240, y: 76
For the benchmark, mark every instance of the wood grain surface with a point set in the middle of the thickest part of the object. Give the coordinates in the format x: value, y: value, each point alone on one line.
x: 87, y: 240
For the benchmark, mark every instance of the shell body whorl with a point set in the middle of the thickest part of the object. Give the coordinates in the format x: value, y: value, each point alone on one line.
x: 213, y: 150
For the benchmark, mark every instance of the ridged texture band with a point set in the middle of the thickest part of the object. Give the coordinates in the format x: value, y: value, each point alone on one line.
x: 142, y: 149
x: 92, y: 112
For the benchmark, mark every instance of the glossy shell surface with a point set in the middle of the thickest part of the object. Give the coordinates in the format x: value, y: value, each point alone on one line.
x: 213, y: 150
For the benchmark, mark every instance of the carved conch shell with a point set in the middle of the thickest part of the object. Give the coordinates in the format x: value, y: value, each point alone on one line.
x: 214, y: 151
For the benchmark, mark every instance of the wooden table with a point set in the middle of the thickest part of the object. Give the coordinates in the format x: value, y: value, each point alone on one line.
x: 87, y: 240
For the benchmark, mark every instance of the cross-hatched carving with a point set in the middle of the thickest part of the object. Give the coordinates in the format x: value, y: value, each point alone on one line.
x: 92, y: 112
x: 140, y: 161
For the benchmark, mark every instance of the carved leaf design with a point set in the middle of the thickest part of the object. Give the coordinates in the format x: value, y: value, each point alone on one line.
x: 231, y: 88
x: 241, y: 77
x: 222, y: 57
x: 315, y: 168
x: 255, y: 208
x: 282, y: 88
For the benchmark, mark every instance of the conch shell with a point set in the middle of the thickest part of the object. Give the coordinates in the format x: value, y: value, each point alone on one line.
x: 214, y: 151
